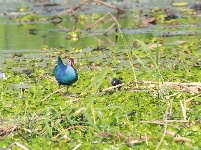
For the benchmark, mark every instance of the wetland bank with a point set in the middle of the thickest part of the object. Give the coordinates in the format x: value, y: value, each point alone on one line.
x: 153, y: 48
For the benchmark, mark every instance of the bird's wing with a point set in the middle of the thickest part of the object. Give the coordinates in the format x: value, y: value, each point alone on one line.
x: 56, y: 70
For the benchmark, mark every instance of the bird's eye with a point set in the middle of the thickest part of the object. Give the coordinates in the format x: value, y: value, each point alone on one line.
x: 69, y: 61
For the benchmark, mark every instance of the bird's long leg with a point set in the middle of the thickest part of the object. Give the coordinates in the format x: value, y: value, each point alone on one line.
x: 67, y: 93
x: 67, y: 89
x: 60, y: 91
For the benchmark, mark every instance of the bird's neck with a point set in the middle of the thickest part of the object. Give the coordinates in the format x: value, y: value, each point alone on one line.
x: 68, y: 68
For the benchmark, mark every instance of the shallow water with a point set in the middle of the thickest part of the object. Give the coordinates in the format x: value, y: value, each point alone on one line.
x: 16, y: 37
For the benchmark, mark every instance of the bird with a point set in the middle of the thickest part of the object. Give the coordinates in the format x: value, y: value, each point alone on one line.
x: 65, y: 74
x: 115, y: 82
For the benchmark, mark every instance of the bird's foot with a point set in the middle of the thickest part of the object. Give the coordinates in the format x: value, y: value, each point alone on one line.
x: 64, y: 94
x: 67, y: 94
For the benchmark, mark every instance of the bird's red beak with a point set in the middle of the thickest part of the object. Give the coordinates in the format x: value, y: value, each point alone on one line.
x: 71, y: 60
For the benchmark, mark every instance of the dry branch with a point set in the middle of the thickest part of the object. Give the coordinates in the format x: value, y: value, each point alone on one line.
x: 74, y: 8
x: 177, y: 137
x: 18, y: 145
x: 109, y: 5
x: 76, y: 147
x: 163, y: 122
x: 132, y: 142
x: 70, y: 10
x: 109, y: 28
x: 143, y: 85
x: 192, y: 98
x: 174, y: 134
x: 74, y: 127
x: 97, y: 22
x: 103, y: 17
x: 182, y: 139
x: 51, y: 94
x: 189, y: 89
x: 183, y: 108
x: 9, y: 127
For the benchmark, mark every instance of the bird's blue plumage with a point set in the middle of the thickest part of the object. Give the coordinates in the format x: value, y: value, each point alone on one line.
x: 65, y: 74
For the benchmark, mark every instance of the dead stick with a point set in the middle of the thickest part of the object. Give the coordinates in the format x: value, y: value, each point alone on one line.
x: 164, y: 121
x: 109, y: 28
x: 51, y: 94
x: 75, y: 100
x: 183, y: 109
x: 76, y: 147
x: 17, y: 144
x: 165, y: 128
x: 188, y: 84
x: 160, y: 124
x: 109, y: 5
x: 115, y: 20
x: 170, y: 83
x: 174, y: 134
x: 73, y: 127
x: 190, y: 99
x: 153, y: 83
x: 95, y: 23
x: 189, y: 89
x: 182, y: 139
x: 73, y: 9
x: 146, y: 139
x: 113, y: 87
x: 110, y: 40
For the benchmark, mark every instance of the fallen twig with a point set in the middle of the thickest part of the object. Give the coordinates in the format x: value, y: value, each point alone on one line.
x: 99, y: 20
x: 103, y: 17
x: 190, y: 99
x: 183, y: 109
x: 131, y: 142
x: 109, y: 5
x: 74, y: 8
x: 105, y: 33
x: 76, y: 147
x: 17, y: 144
x: 51, y: 94
x: 182, y: 139
x: 192, y: 86
x: 8, y: 129
x: 163, y: 122
x: 189, y: 89
x: 74, y: 127
x: 86, y: 1
x: 165, y: 126
x: 177, y: 137
x: 174, y: 134
x: 113, y: 87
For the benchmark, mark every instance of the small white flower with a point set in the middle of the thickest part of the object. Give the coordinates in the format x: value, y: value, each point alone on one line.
x: 3, y: 76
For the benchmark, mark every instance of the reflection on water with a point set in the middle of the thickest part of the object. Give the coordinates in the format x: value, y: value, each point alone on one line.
x: 17, y: 36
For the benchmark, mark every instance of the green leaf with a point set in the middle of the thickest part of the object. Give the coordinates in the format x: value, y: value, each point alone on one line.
x: 96, y: 83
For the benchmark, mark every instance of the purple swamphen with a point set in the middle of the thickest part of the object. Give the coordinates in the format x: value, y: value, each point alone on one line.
x: 65, y: 74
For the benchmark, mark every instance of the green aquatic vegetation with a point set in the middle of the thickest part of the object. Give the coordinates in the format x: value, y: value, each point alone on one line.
x: 96, y: 115
x: 94, y: 118
x: 31, y: 18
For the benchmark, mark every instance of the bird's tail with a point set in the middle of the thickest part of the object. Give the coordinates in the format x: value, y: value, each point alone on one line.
x: 59, y: 61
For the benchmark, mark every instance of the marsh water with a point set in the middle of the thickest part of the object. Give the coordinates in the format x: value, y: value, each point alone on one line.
x: 19, y: 36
